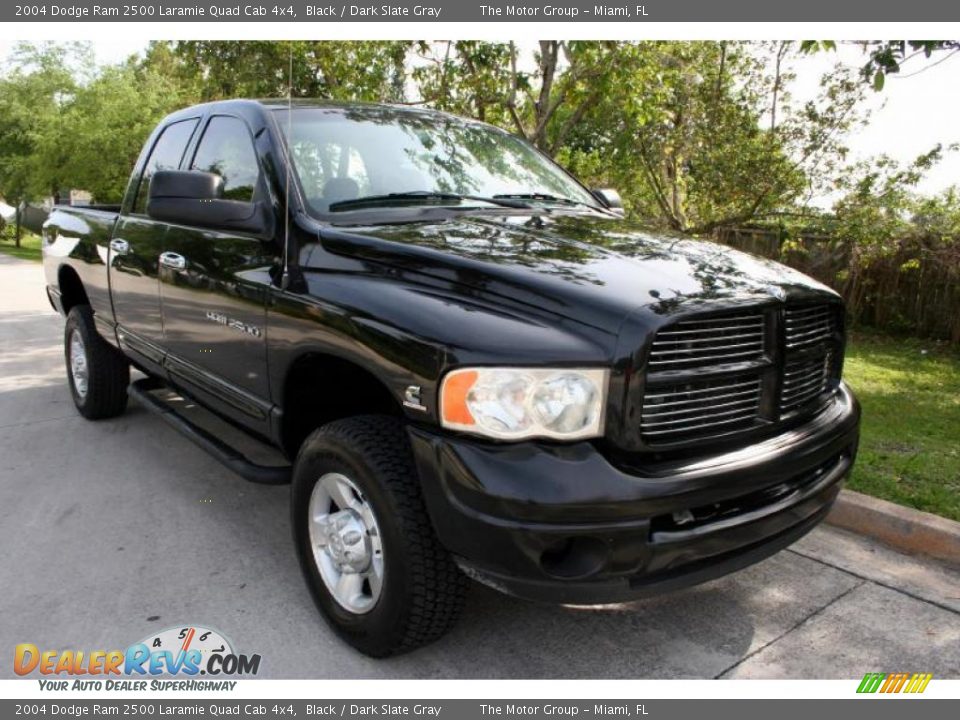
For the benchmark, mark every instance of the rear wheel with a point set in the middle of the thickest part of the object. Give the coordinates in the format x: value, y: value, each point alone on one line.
x: 97, y: 372
x: 367, y: 549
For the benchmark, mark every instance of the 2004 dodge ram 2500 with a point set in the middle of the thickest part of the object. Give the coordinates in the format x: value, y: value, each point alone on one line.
x: 476, y: 367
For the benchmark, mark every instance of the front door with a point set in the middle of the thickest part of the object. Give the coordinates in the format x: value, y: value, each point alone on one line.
x: 214, y: 289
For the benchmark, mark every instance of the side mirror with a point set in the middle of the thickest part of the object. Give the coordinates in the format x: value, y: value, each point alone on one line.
x: 610, y: 199
x: 196, y: 198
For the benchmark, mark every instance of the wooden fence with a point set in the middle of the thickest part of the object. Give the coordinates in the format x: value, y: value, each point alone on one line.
x: 914, y: 288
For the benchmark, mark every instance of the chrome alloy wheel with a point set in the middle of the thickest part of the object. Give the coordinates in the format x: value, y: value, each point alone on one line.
x: 346, y: 543
x: 78, y: 364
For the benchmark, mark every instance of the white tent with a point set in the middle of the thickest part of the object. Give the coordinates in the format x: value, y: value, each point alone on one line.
x: 8, y: 213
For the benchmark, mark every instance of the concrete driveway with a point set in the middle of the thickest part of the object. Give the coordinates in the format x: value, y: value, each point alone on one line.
x: 114, y: 530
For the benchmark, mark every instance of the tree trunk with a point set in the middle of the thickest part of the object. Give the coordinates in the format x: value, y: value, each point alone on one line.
x: 16, y: 234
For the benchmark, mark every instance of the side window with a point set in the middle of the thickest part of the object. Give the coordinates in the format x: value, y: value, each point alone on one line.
x: 227, y: 150
x: 166, y: 155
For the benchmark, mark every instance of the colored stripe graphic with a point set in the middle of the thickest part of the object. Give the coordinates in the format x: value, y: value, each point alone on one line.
x: 894, y: 682
x: 901, y: 679
x: 871, y: 682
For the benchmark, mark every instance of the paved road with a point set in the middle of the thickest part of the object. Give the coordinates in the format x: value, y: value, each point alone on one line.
x: 113, y: 530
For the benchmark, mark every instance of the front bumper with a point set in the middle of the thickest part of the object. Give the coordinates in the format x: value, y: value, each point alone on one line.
x: 563, y: 524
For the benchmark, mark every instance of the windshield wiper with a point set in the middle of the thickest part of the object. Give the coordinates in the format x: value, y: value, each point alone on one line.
x: 419, y: 197
x: 541, y: 197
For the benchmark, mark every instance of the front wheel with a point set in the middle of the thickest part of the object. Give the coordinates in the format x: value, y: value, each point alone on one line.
x: 367, y: 550
x: 98, y: 373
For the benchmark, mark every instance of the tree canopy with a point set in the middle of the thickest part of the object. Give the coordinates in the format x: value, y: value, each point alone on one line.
x: 695, y: 135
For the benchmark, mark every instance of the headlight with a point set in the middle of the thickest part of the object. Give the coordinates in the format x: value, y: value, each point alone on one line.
x: 520, y: 403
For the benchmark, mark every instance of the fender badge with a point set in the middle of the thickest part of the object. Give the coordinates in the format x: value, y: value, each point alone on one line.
x: 411, y: 398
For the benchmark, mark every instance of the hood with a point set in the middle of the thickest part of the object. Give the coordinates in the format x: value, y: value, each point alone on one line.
x: 587, y: 267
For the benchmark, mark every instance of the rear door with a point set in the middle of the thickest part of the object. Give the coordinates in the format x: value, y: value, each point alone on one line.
x: 135, y: 248
x: 214, y: 288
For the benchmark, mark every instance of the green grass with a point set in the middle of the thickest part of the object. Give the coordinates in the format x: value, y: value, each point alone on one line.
x: 910, y: 436
x: 29, y: 245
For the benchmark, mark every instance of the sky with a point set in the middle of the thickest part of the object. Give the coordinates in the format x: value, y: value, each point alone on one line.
x: 910, y: 115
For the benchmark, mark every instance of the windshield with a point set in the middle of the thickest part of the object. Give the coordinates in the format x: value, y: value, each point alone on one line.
x: 347, y: 154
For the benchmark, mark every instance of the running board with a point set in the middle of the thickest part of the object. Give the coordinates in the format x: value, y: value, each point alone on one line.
x: 229, y: 456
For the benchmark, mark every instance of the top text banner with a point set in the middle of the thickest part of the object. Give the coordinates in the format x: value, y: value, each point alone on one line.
x: 302, y: 11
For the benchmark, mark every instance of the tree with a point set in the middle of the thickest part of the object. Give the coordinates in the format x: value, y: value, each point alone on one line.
x: 887, y: 57
x: 342, y: 70
x: 37, y: 85
x: 693, y: 124
x: 109, y: 119
x: 540, y: 101
x: 32, y: 96
x: 696, y: 134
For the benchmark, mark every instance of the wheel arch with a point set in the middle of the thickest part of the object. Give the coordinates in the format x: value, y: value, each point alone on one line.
x: 72, y: 291
x: 320, y: 387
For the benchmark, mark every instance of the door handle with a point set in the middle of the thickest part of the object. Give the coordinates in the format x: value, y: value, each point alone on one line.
x: 173, y: 261
x: 120, y: 246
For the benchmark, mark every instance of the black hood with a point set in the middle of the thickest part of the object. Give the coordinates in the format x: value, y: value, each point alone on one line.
x: 587, y: 267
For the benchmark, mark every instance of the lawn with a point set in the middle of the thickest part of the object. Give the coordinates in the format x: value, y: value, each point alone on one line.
x: 910, y: 441
x: 29, y: 245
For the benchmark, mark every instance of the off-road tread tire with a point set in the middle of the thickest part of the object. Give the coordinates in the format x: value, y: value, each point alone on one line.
x: 108, y: 372
x: 436, y: 588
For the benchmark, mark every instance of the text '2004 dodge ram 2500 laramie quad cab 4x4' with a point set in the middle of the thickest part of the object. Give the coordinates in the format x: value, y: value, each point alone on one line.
x: 476, y: 366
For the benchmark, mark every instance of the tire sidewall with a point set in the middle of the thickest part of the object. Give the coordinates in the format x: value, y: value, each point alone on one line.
x: 76, y: 324
x: 375, y: 631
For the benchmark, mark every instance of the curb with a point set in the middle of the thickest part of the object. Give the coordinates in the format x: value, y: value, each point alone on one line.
x: 903, y: 528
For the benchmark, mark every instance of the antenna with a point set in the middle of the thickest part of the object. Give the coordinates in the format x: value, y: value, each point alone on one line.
x: 285, y: 276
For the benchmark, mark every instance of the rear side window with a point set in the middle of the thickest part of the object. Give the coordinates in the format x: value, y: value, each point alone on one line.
x: 227, y: 150
x: 166, y: 155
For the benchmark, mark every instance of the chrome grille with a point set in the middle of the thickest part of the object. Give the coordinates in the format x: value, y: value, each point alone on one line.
x: 808, y: 326
x: 730, y: 338
x: 699, y: 407
x: 809, y: 334
x: 727, y: 373
x: 803, y: 380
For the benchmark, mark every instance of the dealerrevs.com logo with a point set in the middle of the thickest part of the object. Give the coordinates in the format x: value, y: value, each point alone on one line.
x: 185, y: 652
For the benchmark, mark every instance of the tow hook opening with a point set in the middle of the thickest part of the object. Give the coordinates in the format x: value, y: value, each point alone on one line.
x: 575, y: 558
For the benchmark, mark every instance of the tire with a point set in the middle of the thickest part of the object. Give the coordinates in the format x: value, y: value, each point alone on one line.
x: 98, y: 382
x: 421, y: 590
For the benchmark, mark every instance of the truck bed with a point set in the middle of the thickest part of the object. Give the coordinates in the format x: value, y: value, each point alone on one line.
x: 78, y: 239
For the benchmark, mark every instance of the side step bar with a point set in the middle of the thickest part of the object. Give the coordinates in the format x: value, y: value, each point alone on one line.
x: 263, y: 474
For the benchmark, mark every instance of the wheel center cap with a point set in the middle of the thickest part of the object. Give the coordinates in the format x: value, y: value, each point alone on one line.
x: 348, y: 543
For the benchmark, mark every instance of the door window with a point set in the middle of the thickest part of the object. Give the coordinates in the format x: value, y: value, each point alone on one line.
x: 167, y: 153
x: 227, y: 150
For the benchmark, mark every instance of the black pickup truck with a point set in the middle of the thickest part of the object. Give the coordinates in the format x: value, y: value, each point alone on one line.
x: 473, y: 364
